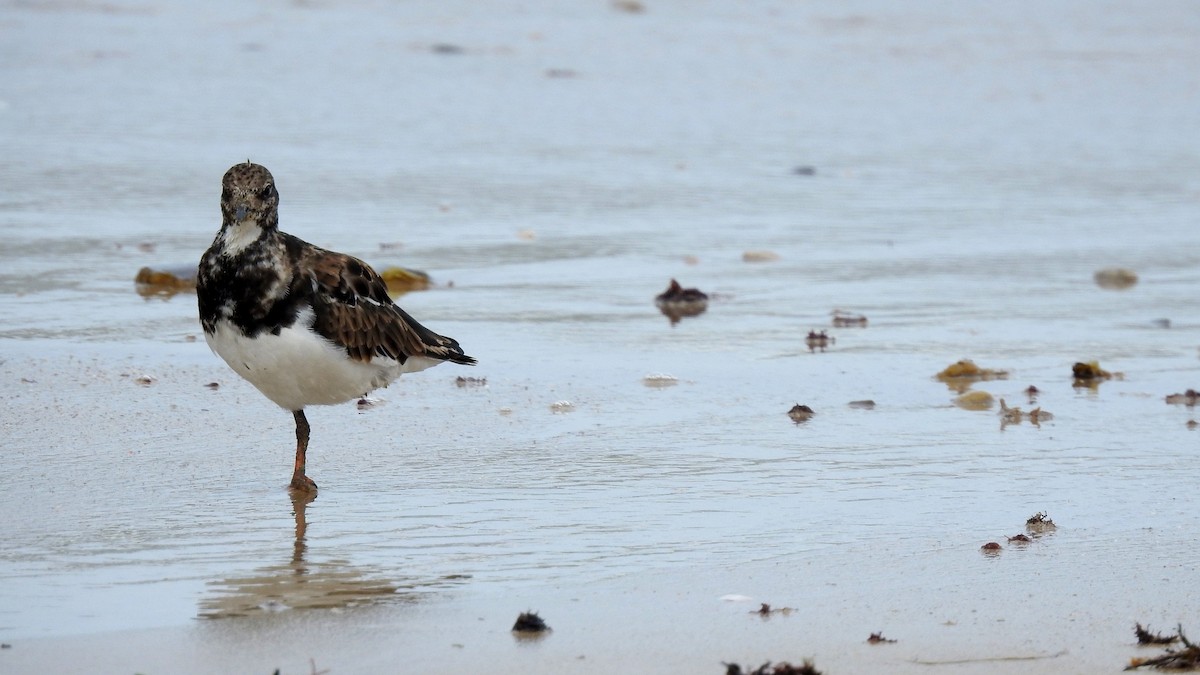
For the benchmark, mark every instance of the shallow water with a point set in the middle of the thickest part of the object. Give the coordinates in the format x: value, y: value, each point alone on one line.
x: 975, y: 165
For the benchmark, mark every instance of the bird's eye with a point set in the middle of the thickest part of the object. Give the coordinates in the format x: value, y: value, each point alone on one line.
x: 267, y: 191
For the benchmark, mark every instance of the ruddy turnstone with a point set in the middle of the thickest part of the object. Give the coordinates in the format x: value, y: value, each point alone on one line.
x: 304, y: 325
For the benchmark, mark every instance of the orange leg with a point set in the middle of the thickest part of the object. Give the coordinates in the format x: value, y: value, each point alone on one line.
x: 300, y: 481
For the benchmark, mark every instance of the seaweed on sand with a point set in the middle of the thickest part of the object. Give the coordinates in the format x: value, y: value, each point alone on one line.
x: 1187, y: 658
x: 782, y: 668
x: 530, y: 622
x: 1145, y: 637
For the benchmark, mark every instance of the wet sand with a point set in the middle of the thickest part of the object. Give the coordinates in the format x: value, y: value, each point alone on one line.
x: 972, y: 170
x: 151, y: 525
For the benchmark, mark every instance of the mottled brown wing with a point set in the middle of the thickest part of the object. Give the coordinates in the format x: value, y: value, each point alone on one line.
x: 352, y: 308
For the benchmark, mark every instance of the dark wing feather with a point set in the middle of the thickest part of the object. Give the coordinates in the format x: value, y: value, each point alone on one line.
x: 352, y: 308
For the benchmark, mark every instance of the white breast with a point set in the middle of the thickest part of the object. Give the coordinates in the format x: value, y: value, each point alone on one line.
x: 298, y: 367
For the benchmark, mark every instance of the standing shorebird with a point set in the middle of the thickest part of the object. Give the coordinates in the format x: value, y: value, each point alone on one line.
x: 304, y: 325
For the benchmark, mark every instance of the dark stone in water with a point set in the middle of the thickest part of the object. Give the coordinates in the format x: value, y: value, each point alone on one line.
x: 530, y: 622
x: 677, y: 302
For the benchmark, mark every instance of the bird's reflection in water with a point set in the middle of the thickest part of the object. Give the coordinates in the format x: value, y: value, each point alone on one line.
x: 302, y: 585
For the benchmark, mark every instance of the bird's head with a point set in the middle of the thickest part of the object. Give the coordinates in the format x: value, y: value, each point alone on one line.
x: 248, y: 194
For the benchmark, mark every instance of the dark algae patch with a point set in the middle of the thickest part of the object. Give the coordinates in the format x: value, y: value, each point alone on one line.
x: 678, y: 302
x: 782, y: 668
x: 1175, y: 658
x: 1145, y: 637
x: 530, y: 622
x: 818, y: 341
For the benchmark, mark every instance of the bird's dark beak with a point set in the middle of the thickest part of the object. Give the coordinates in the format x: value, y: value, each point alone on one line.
x: 240, y: 214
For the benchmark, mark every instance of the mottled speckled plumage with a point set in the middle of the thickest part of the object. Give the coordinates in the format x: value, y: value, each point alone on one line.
x: 304, y: 325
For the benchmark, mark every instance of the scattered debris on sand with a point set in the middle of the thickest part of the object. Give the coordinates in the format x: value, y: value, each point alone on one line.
x: 166, y: 281
x: 629, y: 6
x: 800, y: 413
x: 213, y: 385
x: 464, y: 382
x: 1115, y: 278
x: 1145, y: 637
x: 447, y: 49
x: 401, y: 280
x: 563, y: 406
x: 818, y: 340
x: 1039, y: 523
x: 1090, y: 374
x: 678, y: 302
x: 530, y: 622
x: 959, y: 376
x: 660, y: 380
x: 782, y: 668
x: 1032, y: 392
x: 1019, y: 539
x: 367, y: 402
x: 975, y: 400
x: 759, y: 256
x: 878, y: 639
x: 965, y: 369
x: 1186, y: 658
x: 1188, y: 398
x: 991, y: 547
x: 766, y: 610
x: 863, y: 404
x: 1089, y: 370
x: 844, y: 319
x: 1009, y: 415
x: 1015, y: 415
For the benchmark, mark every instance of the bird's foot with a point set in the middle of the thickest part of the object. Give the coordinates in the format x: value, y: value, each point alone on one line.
x: 302, y: 483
